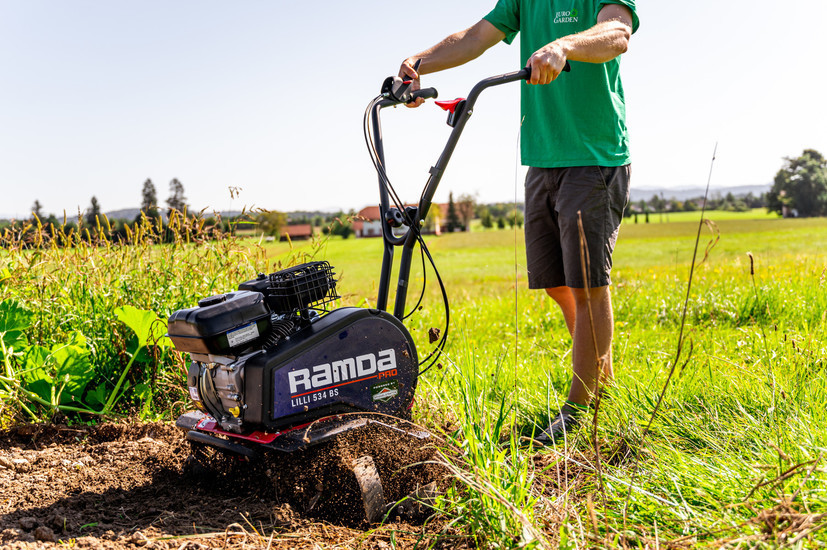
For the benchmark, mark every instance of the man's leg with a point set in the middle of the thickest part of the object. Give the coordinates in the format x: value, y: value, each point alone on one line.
x: 588, y: 210
x: 585, y: 364
x: 575, y: 308
x: 565, y: 299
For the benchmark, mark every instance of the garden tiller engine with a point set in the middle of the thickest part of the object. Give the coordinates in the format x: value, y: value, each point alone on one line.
x: 274, y: 369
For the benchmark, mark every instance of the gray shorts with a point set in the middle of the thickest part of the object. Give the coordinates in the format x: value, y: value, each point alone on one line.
x: 553, y: 196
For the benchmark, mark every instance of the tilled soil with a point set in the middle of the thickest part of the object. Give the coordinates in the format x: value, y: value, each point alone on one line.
x: 138, y: 486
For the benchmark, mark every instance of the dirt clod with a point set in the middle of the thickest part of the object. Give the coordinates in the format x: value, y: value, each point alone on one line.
x: 44, y: 534
x: 27, y: 523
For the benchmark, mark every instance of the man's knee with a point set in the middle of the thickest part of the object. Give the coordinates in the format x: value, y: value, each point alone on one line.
x: 559, y: 293
x: 597, y: 294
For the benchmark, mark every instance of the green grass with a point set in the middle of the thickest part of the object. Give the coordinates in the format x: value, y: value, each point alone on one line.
x: 714, y: 215
x: 746, y: 405
x: 735, y: 456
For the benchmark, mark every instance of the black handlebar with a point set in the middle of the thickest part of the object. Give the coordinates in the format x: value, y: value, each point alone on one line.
x: 396, y: 91
x: 424, y: 93
x: 525, y: 74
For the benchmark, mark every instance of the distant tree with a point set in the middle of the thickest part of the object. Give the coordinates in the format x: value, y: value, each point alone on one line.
x: 500, y: 222
x: 37, y: 209
x: 466, y: 206
x: 453, y: 223
x: 93, y: 213
x: 497, y: 210
x: 485, y: 217
x: 800, y: 187
x: 177, y: 200
x: 515, y: 217
x: 344, y: 230
x: 501, y: 209
x: 52, y: 220
x: 642, y: 206
x: 754, y: 202
x: 270, y: 222
x: 149, y: 200
x: 343, y: 225
x: 657, y: 204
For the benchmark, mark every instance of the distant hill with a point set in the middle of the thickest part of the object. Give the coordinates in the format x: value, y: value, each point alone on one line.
x: 132, y: 213
x: 681, y: 194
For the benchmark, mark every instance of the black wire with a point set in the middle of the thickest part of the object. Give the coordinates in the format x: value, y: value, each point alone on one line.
x: 424, y: 284
x: 441, y: 344
x: 377, y: 164
x: 386, y: 183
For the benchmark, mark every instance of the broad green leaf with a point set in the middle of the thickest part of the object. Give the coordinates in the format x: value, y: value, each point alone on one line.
x: 147, y: 326
x: 73, y: 359
x: 35, y: 372
x: 143, y: 391
x: 97, y: 396
x: 69, y: 366
x: 14, y: 320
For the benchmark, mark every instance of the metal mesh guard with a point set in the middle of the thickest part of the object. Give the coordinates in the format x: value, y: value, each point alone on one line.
x: 302, y: 287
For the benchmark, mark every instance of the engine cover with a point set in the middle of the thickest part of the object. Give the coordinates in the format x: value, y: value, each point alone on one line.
x: 348, y: 361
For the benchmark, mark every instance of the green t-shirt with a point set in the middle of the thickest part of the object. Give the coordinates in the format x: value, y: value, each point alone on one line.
x: 580, y: 118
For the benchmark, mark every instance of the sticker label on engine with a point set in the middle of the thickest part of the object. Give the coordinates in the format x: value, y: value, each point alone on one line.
x: 194, y: 393
x: 242, y: 335
x: 385, y: 391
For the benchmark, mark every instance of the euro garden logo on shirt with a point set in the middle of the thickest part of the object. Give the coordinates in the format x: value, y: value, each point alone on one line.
x: 566, y: 16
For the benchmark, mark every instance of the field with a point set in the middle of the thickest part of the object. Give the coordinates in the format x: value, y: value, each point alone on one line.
x: 732, y: 457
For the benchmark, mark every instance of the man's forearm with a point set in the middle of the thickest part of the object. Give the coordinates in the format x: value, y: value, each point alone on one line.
x: 599, y: 44
x: 459, y: 48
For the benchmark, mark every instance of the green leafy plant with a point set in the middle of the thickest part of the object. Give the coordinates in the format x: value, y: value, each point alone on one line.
x: 55, y: 378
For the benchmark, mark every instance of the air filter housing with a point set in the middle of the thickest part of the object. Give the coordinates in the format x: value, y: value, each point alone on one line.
x: 303, y: 287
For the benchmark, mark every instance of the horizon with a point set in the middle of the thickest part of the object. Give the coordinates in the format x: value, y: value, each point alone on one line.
x: 684, y: 190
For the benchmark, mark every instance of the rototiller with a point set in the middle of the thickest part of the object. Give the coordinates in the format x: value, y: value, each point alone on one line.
x: 273, y: 370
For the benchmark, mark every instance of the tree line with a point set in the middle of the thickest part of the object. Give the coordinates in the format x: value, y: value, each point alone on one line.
x: 91, y: 224
x: 799, y: 190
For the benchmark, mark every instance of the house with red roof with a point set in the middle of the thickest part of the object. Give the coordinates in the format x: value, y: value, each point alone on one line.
x: 296, y: 232
x: 368, y: 223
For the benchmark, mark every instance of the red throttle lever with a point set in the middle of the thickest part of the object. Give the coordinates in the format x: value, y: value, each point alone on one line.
x: 450, y: 106
x: 454, y: 109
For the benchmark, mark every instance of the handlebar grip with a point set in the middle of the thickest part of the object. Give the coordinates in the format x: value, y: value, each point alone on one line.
x: 525, y: 74
x: 425, y: 93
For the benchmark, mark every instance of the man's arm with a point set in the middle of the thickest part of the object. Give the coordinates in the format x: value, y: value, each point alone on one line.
x: 455, y: 50
x: 603, y: 42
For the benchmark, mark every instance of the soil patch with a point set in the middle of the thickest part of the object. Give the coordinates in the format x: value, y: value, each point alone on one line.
x: 137, y: 486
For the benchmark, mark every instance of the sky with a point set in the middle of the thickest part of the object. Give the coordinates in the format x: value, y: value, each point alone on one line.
x: 268, y: 97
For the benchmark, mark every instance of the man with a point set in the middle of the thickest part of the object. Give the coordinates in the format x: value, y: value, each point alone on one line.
x: 574, y: 140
